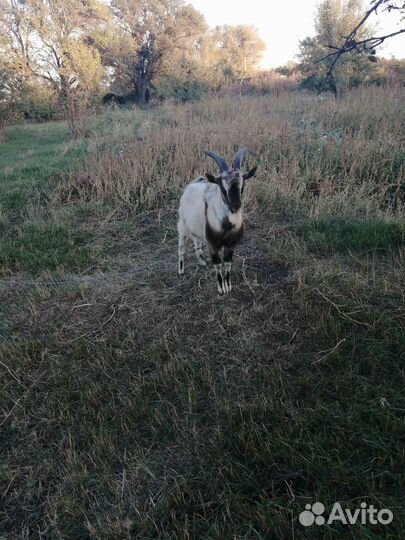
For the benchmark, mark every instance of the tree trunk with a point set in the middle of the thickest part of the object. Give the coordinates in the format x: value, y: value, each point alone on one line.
x: 70, y: 104
x: 143, y: 88
x: 144, y: 72
x: 142, y: 94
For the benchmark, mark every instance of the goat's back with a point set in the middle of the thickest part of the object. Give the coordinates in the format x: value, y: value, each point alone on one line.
x: 192, y: 207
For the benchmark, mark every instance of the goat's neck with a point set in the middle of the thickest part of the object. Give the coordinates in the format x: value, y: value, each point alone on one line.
x: 219, y: 214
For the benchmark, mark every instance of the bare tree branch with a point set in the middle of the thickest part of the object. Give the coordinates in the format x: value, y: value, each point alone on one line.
x: 361, y: 46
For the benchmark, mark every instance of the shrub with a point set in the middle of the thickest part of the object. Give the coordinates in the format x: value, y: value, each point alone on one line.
x: 180, y: 91
x: 34, y: 103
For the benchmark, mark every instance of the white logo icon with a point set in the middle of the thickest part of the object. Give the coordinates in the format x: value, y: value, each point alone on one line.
x: 312, y: 514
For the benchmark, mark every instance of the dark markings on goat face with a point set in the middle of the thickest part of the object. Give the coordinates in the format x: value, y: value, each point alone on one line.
x: 234, y: 197
x: 223, y: 193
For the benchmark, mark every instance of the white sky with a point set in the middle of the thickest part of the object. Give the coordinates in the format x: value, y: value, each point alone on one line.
x: 282, y: 24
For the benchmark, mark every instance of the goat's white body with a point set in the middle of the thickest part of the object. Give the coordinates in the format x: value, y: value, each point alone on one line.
x: 193, y: 216
x: 210, y: 213
x: 200, y: 203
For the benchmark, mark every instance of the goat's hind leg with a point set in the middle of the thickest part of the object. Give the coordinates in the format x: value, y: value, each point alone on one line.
x: 182, y: 249
x: 198, y: 246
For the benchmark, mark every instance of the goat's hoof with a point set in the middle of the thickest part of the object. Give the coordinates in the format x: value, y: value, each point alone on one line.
x: 180, y: 268
x: 224, y: 289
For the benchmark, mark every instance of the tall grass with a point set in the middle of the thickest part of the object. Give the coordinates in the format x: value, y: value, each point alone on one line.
x: 349, y: 152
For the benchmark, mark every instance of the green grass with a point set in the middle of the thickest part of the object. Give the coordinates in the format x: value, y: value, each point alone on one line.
x: 217, y: 430
x: 345, y: 234
x: 137, y: 405
x: 31, y: 157
x: 34, y: 247
x: 34, y: 157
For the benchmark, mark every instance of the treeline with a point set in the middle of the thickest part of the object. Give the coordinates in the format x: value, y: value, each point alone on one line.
x: 64, y: 55
x: 61, y: 58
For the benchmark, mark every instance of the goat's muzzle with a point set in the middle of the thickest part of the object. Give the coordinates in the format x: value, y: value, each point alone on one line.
x: 235, y: 208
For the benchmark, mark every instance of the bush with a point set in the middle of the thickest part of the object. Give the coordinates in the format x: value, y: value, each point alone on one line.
x: 39, y: 104
x: 180, y: 90
x: 34, y: 103
x: 270, y: 83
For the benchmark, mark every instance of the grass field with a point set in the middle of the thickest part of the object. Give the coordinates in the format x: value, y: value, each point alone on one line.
x: 138, y: 405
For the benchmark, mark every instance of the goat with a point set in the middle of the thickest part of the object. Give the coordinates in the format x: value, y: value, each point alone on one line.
x: 210, y: 213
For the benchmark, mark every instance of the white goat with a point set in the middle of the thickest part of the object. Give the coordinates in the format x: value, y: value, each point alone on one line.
x: 211, y: 213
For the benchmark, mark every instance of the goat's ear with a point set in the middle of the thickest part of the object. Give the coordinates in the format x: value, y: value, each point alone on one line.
x: 211, y: 178
x: 249, y: 174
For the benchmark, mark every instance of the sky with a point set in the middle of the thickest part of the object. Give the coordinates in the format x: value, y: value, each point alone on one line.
x: 282, y: 24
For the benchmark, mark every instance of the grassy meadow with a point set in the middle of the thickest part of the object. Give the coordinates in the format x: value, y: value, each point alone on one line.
x: 137, y: 405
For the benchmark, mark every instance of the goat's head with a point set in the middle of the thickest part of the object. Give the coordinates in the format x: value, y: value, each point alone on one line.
x: 231, y: 180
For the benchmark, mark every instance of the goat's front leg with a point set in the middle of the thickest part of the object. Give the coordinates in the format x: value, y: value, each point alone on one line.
x: 228, y: 255
x: 216, y: 259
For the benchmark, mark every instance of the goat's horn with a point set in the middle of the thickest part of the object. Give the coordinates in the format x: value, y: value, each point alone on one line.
x: 222, y: 164
x: 239, y: 157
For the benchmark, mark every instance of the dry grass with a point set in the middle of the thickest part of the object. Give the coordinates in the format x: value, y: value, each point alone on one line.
x: 137, y: 405
x: 352, y: 148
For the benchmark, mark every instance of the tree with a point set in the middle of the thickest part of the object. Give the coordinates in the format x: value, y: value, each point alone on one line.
x: 334, y: 20
x: 235, y: 51
x: 63, y: 29
x: 49, y: 40
x: 152, y: 34
x: 354, y: 41
x: 65, y: 57
x: 15, y: 46
x: 16, y: 31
